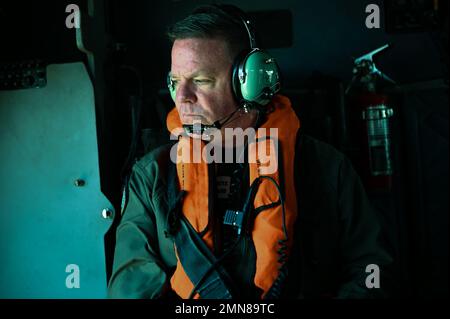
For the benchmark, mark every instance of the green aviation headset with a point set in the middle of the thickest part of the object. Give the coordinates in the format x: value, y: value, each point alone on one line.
x: 255, y: 74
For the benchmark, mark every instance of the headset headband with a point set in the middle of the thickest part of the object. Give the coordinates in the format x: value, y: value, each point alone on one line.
x: 239, y: 14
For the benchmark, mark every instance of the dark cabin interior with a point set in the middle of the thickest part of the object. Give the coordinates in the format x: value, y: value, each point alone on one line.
x: 127, y: 57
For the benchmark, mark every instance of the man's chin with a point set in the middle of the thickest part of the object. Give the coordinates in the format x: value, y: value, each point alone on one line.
x: 204, y: 132
x: 197, y: 136
x: 190, y: 119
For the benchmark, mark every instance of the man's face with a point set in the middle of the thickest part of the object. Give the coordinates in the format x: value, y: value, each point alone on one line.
x: 201, y: 71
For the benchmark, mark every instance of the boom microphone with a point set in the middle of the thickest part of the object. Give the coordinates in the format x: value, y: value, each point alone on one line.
x: 200, y: 128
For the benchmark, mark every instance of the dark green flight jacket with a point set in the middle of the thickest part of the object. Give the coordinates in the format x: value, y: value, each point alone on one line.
x: 337, y: 232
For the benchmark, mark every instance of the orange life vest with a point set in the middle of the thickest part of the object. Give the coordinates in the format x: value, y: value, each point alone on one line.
x: 267, y: 232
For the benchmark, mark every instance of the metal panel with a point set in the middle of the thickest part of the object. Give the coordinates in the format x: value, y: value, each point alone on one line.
x: 48, y: 220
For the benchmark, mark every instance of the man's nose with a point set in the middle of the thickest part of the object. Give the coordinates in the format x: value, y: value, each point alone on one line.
x: 185, y: 93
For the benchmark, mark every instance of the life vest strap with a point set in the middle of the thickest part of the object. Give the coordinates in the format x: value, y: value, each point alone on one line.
x: 199, y: 263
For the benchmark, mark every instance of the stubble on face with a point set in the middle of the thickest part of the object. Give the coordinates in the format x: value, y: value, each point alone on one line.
x: 202, y: 67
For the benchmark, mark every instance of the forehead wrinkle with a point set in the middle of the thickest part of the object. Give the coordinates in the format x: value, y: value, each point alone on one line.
x: 193, y: 67
x: 193, y: 74
x: 193, y: 56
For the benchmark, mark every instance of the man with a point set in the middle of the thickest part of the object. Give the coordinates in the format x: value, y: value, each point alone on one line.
x: 196, y: 229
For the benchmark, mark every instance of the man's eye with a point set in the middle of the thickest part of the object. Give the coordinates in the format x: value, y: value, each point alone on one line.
x: 202, y: 81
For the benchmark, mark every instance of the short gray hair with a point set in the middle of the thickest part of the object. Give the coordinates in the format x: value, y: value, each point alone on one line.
x: 212, y: 22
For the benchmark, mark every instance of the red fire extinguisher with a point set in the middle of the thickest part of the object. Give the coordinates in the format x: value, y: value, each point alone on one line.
x: 372, y: 113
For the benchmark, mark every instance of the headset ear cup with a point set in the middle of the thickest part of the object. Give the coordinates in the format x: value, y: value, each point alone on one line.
x: 236, y: 83
x: 171, y: 87
x: 261, y: 77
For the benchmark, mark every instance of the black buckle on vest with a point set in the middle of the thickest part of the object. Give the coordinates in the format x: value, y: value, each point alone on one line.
x: 234, y: 218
